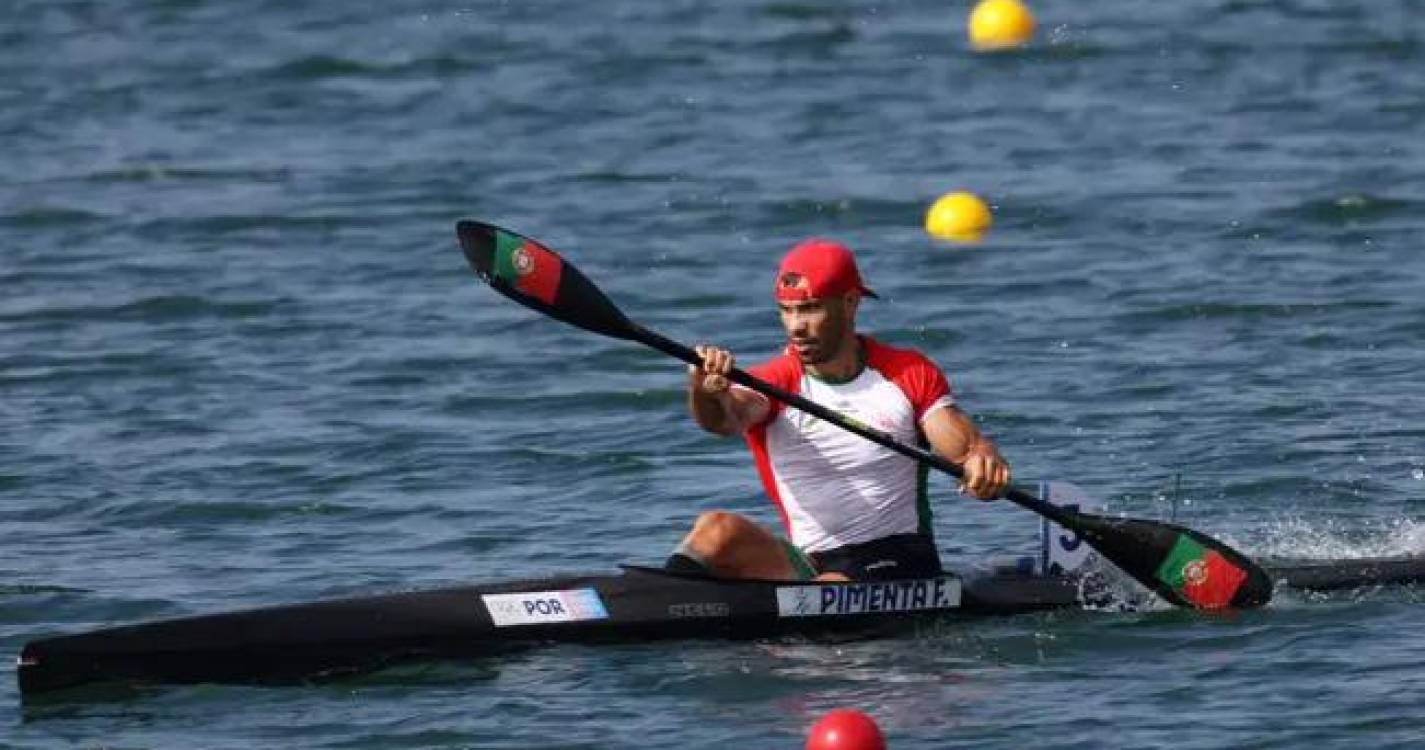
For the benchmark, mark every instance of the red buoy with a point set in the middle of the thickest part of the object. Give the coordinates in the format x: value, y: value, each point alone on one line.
x: 846, y: 729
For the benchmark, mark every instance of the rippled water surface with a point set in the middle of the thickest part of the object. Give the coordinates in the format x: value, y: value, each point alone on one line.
x: 242, y: 362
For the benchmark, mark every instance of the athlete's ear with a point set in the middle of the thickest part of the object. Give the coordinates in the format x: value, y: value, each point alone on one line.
x: 851, y: 301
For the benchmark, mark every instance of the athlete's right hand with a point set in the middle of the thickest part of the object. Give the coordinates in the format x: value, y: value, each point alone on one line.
x: 711, y: 377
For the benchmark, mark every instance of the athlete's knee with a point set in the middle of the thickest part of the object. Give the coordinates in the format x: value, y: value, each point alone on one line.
x: 718, y: 519
x: 717, y: 530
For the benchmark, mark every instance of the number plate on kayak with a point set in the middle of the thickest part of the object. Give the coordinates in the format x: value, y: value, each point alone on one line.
x: 868, y: 598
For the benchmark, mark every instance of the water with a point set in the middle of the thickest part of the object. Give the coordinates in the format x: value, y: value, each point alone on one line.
x: 243, y: 362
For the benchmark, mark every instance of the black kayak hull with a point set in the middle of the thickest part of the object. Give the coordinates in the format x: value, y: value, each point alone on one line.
x: 321, y: 639
x: 305, y: 641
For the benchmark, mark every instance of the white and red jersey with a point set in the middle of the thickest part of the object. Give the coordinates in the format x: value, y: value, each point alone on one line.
x: 833, y: 487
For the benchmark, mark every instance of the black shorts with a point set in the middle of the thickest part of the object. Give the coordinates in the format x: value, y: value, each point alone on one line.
x: 888, y: 558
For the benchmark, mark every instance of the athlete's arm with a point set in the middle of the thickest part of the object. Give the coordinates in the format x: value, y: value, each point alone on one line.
x: 955, y: 438
x: 717, y: 406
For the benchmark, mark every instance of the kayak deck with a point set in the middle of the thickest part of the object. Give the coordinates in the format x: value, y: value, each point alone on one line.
x: 305, y: 641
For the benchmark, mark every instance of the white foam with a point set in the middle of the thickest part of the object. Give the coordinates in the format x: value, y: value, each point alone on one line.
x: 1329, y: 540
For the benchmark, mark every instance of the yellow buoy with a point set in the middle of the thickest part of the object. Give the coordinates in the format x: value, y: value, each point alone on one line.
x: 958, y: 217
x: 1000, y: 24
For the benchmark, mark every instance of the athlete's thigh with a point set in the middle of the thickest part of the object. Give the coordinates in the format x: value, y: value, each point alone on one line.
x: 758, y: 553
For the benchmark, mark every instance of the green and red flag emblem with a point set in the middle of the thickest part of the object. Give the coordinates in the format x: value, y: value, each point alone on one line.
x: 527, y: 267
x: 1203, y: 576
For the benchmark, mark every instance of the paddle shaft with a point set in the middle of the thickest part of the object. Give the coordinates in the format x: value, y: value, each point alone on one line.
x: 672, y: 348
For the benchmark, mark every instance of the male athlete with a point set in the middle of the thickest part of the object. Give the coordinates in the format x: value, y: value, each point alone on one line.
x: 853, y: 509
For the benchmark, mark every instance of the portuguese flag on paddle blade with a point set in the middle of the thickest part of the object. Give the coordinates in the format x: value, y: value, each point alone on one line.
x: 1203, y: 576
x: 527, y: 267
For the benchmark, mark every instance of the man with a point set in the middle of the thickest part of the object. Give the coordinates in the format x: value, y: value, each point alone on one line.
x: 853, y: 510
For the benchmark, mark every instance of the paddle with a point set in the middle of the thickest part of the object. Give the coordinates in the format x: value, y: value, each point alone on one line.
x: 1183, y: 566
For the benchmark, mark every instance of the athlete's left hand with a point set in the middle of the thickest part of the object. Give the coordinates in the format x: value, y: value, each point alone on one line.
x: 986, y: 472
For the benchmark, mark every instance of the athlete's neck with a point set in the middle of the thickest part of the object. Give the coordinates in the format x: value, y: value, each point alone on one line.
x: 845, y: 366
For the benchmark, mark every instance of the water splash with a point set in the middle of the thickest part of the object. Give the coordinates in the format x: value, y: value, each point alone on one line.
x: 1103, y: 587
x: 1329, y: 539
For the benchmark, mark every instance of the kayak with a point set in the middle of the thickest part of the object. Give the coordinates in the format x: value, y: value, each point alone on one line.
x: 301, y: 642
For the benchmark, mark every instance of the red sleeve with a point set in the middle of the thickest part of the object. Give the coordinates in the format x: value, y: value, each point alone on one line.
x: 783, y: 371
x: 922, y: 381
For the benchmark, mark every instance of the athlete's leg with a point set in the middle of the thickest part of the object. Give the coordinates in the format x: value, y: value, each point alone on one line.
x: 729, y: 545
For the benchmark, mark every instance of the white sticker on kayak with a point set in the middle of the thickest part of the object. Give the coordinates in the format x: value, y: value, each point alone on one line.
x: 1062, y: 551
x: 868, y: 598
x: 539, y: 607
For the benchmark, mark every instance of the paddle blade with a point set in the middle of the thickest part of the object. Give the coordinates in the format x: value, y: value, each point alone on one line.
x: 1185, y: 567
x: 534, y: 276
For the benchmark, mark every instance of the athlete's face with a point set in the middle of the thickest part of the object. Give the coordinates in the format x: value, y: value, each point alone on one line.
x: 818, y: 329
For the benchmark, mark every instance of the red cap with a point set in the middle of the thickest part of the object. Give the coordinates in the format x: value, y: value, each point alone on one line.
x: 827, y: 268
